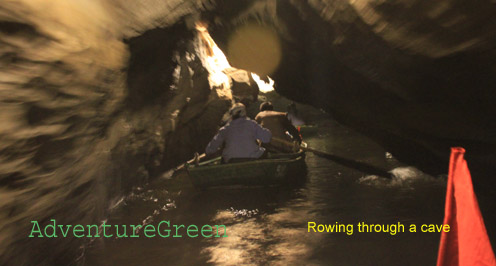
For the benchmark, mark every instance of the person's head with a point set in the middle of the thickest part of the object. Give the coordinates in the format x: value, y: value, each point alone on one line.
x: 292, y: 109
x: 266, y: 106
x: 237, y: 110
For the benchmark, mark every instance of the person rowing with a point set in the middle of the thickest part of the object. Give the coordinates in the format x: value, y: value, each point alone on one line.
x: 280, y: 127
x: 293, y: 116
x: 239, y: 138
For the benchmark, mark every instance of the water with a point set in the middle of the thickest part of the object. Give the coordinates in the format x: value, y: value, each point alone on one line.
x: 269, y: 225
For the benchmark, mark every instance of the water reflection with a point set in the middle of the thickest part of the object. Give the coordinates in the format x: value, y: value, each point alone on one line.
x: 268, y: 225
x: 278, y: 237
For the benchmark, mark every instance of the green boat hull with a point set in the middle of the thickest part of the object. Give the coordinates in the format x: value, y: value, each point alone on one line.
x: 277, y: 169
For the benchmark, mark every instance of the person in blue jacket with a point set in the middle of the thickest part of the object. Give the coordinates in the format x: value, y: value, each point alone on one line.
x: 239, y: 137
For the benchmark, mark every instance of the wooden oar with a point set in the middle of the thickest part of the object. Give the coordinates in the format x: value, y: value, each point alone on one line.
x: 366, y: 168
x: 169, y: 173
x: 291, y: 144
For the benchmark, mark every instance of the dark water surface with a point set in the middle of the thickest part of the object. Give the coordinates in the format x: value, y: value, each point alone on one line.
x: 269, y: 225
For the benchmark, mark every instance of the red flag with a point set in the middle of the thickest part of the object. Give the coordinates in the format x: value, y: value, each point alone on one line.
x: 467, y: 242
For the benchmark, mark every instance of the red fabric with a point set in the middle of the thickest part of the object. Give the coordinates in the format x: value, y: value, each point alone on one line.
x: 467, y: 242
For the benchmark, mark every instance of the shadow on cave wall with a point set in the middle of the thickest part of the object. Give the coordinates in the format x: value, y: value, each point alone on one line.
x: 151, y: 65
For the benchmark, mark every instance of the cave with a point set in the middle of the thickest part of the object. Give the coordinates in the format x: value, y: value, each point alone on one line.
x: 101, y: 98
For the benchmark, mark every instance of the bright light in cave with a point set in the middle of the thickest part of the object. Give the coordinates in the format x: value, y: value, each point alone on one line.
x: 262, y: 85
x: 213, y: 59
x: 216, y: 63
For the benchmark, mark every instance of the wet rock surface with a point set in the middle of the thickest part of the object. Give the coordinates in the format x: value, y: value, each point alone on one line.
x: 86, y: 116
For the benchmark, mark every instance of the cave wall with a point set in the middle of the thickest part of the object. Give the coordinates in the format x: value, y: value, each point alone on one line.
x: 60, y: 88
x: 96, y: 97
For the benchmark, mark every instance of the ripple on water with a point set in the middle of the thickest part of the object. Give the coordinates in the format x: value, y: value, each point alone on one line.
x: 400, y: 177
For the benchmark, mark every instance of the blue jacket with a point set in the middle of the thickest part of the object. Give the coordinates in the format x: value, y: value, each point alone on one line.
x: 239, y: 137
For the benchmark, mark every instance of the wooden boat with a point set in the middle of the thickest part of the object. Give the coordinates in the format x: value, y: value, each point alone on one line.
x: 278, y: 168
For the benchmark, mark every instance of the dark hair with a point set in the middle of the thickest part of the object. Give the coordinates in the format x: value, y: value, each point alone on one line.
x: 292, y: 109
x: 237, y: 110
x: 266, y: 106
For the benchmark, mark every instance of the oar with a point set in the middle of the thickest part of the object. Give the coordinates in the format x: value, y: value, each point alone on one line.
x: 291, y: 144
x: 169, y: 173
x: 366, y: 168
